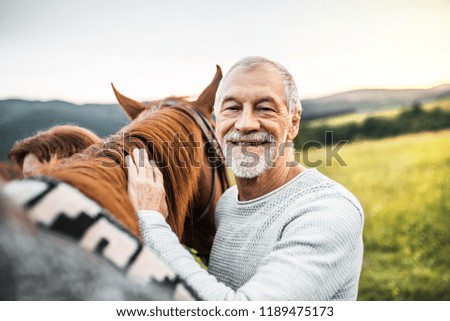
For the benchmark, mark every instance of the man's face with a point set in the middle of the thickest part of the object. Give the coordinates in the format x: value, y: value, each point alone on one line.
x: 253, y: 120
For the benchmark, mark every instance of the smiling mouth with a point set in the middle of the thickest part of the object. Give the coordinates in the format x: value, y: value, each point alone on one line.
x: 247, y: 143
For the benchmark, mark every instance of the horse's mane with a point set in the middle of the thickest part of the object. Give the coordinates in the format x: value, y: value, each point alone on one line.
x: 170, y: 137
x: 59, y: 141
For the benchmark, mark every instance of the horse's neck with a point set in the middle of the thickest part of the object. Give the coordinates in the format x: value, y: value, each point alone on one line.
x: 101, y: 181
x: 100, y: 174
x: 199, y: 233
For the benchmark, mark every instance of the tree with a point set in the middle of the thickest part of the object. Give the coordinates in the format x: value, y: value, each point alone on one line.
x: 416, y: 108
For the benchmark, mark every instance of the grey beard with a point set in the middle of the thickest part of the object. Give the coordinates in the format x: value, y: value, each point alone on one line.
x: 245, y: 165
x: 249, y: 164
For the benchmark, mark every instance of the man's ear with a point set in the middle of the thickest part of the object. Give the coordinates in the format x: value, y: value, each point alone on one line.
x: 294, y: 125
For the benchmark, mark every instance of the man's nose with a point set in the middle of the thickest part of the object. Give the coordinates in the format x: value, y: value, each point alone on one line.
x: 247, y: 122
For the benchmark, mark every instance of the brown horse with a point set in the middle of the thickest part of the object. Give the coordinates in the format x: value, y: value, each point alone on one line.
x: 174, y: 138
x: 57, y: 142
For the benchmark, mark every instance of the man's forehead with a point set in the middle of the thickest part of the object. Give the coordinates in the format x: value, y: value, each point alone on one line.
x: 250, y: 94
x: 255, y: 81
x: 258, y: 75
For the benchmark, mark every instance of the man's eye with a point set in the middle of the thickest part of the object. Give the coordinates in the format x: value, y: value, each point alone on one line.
x: 232, y: 108
x: 262, y: 108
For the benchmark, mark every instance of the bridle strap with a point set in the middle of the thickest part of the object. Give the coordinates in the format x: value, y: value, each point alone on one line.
x: 212, y: 147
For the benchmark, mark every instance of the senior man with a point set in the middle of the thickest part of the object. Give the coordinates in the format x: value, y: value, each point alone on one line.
x: 284, y: 232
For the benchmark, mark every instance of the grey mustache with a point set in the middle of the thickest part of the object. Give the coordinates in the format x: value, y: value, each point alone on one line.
x: 264, y: 136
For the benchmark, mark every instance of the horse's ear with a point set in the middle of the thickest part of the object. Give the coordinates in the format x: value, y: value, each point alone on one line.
x: 131, y: 107
x: 205, y: 101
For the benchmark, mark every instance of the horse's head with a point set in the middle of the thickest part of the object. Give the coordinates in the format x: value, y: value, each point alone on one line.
x: 174, y: 132
x: 57, y: 142
x: 199, y: 224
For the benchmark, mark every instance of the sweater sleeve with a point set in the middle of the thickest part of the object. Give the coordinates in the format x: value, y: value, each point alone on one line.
x: 312, y: 260
x: 158, y: 235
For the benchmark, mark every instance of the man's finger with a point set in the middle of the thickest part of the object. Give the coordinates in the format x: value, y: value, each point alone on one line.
x: 147, y: 167
x: 132, y: 169
x: 144, y: 155
x: 136, y: 158
x: 157, y: 173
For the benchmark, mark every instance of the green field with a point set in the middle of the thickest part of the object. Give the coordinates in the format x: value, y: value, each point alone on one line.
x: 403, y: 184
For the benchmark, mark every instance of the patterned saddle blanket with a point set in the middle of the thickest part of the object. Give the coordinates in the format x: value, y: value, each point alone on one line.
x: 59, y: 207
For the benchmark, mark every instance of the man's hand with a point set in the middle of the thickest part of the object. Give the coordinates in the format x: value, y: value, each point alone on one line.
x: 145, y: 183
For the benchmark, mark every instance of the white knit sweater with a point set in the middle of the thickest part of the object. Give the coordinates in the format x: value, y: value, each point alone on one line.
x: 302, y: 241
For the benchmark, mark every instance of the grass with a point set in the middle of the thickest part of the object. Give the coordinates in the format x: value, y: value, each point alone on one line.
x: 389, y: 113
x: 403, y: 184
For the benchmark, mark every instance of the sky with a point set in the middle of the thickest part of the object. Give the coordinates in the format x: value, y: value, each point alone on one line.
x: 72, y: 50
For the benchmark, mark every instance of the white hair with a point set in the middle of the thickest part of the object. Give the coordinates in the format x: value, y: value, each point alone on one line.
x: 290, y: 89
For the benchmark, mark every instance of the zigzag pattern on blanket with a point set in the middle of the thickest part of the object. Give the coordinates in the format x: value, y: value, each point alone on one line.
x: 59, y: 207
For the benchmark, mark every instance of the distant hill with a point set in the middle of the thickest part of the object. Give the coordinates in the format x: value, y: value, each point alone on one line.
x: 364, y: 100
x: 21, y: 118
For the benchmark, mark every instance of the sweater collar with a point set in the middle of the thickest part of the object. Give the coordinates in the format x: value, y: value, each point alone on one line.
x: 275, y: 191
